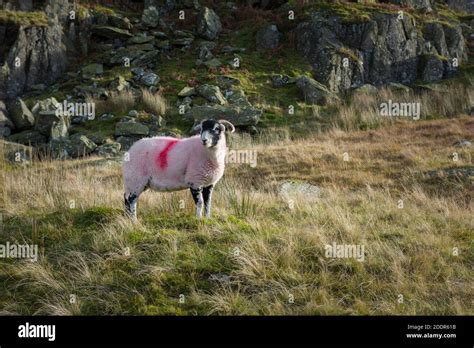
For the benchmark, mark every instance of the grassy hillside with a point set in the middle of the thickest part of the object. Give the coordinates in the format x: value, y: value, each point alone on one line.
x: 260, y: 253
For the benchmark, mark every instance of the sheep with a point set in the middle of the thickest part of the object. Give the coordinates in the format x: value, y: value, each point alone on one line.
x: 170, y: 164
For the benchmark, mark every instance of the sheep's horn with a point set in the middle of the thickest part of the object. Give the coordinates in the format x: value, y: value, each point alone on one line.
x: 231, y: 126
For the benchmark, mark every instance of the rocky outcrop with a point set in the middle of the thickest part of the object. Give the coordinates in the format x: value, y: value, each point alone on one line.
x: 17, y: 5
x: 378, y: 51
x: 461, y: 5
x: 37, y: 56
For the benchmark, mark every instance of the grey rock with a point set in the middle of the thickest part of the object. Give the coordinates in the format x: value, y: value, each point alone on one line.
x: 211, y: 93
x: 151, y: 17
x: 183, y: 42
x: 21, y: 116
x: 281, y: 80
x: 50, y: 122
x: 133, y: 113
x: 4, y: 120
x: 268, y: 38
x: 314, y: 92
x: 432, y: 68
x: 76, y: 146
x: 137, y: 72
x: 106, y: 117
x: 127, y: 142
x: 131, y: 129
x: 148, y: 59
x: 140, y: 39
x: 237, y: 97
x: 92, y: 70
x: 205, y: 53
x: 187, y: 92
x: 225, y: 82
x: 213, y: 63
x: 208, y: 24
x: 5, y: 131
x: 150, y: 79
x: 462, y: 143
x: 108, y: 150
x: 28, y: 137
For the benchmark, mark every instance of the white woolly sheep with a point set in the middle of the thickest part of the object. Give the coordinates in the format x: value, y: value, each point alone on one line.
x: 170, y: 164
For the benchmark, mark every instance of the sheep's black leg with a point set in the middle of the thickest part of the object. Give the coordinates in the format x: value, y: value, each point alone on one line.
x: 207, y: 196
x: 197, y: 196
x: 131, y: 205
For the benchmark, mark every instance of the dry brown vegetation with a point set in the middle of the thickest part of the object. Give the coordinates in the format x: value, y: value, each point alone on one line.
x: 280, y: 251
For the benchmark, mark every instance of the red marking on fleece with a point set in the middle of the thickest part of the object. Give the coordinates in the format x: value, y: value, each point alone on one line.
x: 162, y: 158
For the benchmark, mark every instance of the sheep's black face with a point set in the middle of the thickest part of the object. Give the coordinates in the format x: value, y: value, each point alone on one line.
x: 211, y: 133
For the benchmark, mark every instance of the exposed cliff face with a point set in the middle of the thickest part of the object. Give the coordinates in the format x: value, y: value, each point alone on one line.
x: 38, y: 56
x: 381, y: 50
x: 32, y: 55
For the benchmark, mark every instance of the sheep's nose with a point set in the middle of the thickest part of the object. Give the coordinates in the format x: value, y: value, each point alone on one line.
x: 204, y: 141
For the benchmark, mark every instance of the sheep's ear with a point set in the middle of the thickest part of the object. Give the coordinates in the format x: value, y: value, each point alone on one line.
x: 197, y: 128
x: 227, y: 124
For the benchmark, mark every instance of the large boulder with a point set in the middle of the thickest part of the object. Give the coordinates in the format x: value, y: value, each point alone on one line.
x: 108, y: 150
x: 268, y: 38
x: 212, y: 94
x: 28, y: 137
x: 314, y: 92
x: 76, y: 146
x: 50, y: 121
x: 236, y: 115
x: 208, y: 24
x: 131, y: 129
x: 21, y: 115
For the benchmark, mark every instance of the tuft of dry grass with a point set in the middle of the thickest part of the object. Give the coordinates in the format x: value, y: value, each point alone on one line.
x: 363, y: 110
x: 154, y: 103
x: 117, y: 102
